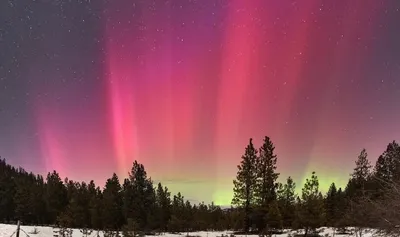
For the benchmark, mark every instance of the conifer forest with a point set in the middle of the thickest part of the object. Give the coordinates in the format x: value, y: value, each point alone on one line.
x: 260, y: 203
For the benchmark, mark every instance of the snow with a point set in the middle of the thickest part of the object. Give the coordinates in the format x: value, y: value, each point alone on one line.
x: 8, y: 230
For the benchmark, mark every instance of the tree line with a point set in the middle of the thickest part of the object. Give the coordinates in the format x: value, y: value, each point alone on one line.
x: 136, y: 204
x: 260, y: 203
x: 371, y: 198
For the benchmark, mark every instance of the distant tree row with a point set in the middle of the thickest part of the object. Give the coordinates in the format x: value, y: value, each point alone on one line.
x: 260, y: 203
x: 136, y: 204
x: 371, y: 198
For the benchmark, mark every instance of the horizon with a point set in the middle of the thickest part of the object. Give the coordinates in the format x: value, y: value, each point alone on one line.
x: 87, y: 87
x: 223, y: 205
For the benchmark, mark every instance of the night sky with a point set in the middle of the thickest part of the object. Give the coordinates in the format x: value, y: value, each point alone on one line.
x: 86, y: 87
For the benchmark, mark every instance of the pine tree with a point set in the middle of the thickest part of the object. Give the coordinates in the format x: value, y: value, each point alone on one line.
x: 37, y: 201
x: 133, y: 193
x: 150, y: 204
x: 387, y: 167
x: 311, y: 205
x: 382, y: 170
x: 361, y: 174
x: 357, y: 191
x: 202, y: 217
x: 7, y: 191
x: 296, y: 224
x: 22, y: 200
x: 164, y: 206
x: 139, y: 197
x: 56, y: 196
x: 127, y: 197
x: 331, y: 205
x: 342, y: 211
x: 266, y: 185
x: 244, y: 185
x: 80, y: 206
x: 67, y: 218
x: 393, y: 151
x: 95, y: 201
x: 188, y: 216
x: 112, y: 217
x: 363, y: 167
x: 177, y: 221
x: 287, y: 202
x: 70, y: 187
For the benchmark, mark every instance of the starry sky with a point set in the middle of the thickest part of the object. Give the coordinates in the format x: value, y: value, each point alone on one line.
x: 86, y: 87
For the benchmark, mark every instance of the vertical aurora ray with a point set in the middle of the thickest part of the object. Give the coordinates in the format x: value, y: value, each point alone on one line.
x: 68, y: 143
x: 150, y: 89
x: 50, y: 144
x: 123, y: 118
x: 238, y: 58
x: 121, y: 94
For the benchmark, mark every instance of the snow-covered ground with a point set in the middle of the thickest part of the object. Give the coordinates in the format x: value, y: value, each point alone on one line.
x: 8, y: 230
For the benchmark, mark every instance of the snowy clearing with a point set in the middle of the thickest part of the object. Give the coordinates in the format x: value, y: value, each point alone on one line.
x: 7, y: 230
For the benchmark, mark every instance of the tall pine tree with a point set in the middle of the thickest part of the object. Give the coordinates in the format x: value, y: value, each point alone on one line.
x: 361, y: 174
x: 95, y: 206
x: 245, y: 183
x: 266, y: 185
x: 139, y: 197
x: 112, y: 216
x: 56, y: 196
x: 357, y: 191
x: 360, y: 178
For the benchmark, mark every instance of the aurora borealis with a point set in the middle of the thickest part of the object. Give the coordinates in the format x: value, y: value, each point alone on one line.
x: 86, y: 87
